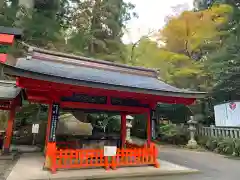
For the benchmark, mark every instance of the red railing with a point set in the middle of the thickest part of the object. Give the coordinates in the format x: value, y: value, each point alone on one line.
x: 81, y: 158
x: 89, y: 158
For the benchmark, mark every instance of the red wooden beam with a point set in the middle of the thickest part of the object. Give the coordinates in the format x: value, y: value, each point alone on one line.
x: 39, y: 85
x: 38, y: 99
x: 45, y: 85
x: 103, y: 107
x: 5, y: 108
x: 6, y: 39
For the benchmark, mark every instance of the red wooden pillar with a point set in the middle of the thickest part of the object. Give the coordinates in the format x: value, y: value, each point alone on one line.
x: 9, y: 131
x: 53, y: 115
x: 149, y: 127
x: 123, y: 129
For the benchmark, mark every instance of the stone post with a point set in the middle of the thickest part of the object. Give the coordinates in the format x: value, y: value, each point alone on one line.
x: 192, y: 143
x: 128, y: 128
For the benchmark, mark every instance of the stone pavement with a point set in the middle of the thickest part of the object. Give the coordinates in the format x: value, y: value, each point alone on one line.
x: 29, y: 167
x: 5, y: 168
x: 212, y: 166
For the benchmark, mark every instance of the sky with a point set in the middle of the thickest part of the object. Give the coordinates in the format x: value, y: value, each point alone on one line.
x: 151, y: 16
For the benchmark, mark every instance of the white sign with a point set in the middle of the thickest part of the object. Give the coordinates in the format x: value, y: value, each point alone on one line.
x: 110, y: 150
x: 35, y: 128
x: 227, y: 114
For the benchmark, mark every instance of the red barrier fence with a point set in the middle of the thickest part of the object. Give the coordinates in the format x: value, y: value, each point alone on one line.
x: 89, y: 158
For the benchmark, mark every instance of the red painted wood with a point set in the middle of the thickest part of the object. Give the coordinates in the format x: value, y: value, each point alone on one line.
x: 123, y: 129
x: 132, y: 155
x: 3, y: 58
x: 103, y: 107
x: 6, y: 39
x: 9, y: 130
x: 62, y: 89
x: 38, y: 98
x: 3, y: 108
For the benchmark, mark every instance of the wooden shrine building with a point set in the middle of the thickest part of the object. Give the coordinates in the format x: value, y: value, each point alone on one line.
x: 10, y: 100
x: 10, y: 94
x: 67, y: 81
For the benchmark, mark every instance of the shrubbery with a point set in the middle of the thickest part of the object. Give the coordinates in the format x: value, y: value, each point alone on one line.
x: 228, y: 146
x: 172, y: 134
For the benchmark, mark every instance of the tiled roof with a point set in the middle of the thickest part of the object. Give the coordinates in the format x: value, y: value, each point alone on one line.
x: 8, y: 90
x: 69, y: 68
x: 13, y: 31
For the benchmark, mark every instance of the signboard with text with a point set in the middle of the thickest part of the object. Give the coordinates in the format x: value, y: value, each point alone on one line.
x: 54, y: 120
x: 153, y: 124
x: 35, y: 128
x: 110, y: 150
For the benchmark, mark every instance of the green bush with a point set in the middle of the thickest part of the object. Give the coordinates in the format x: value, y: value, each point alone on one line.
x: 212, y: 143
x: 227, y: 146
x: 202, y: 140
x: 171, y: 134
x: 237, y: 147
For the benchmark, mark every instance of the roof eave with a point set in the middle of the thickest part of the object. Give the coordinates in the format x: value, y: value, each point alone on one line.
x: 14, y: 71
x: 12, y: 31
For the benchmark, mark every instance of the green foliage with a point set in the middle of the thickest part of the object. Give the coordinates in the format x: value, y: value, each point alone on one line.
x: 114, y: 124
x: 3, y: 119
x: 202, y: 140
x: 172, y: 134
x: 99, y: 28
x: 139, y: 126
x: 227, y: 146
x: 91, y: 28
x: 212, y: 143
x: 224, y: 64
x: 223, y: 61
x: 106, y: 122
x: 31, y: 113
x: 176, y: 113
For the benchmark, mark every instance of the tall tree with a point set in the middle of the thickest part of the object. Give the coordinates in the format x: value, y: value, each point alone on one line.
x: 192, y: 32
x: 173, y: 68
x: 98, y: 28
x: 223, y: 62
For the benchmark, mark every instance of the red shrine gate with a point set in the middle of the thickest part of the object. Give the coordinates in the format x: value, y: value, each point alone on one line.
x: 68, y: 81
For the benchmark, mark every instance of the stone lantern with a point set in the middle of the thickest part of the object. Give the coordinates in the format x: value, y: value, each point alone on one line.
x: 192, y: 143
x: 128, y: 127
